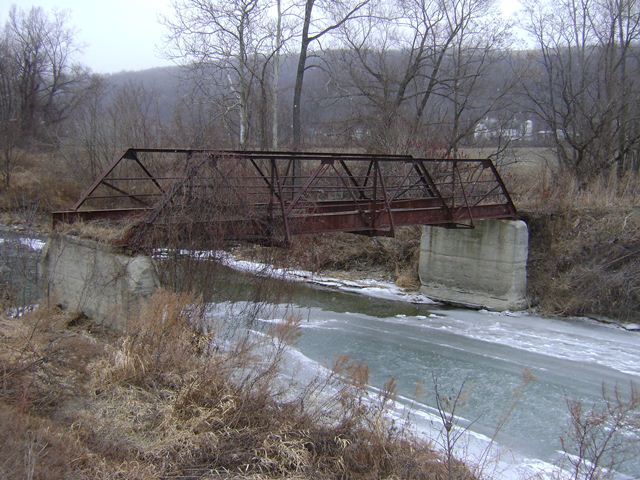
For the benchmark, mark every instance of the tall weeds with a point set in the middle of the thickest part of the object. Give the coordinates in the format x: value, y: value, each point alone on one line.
x: 170, y: 397
x: 586, y: 262
x: 603, y: 436
x: 584, y: 252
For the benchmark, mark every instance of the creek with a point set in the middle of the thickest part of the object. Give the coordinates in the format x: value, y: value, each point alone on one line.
x: 515, y: 371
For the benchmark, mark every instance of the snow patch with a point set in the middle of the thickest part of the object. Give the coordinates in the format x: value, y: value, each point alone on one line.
x: 33, y: 243
x: 368, y: 287
x: 17, y: 312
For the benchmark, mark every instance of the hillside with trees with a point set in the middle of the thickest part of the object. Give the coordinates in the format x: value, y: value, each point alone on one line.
x: 404, y: 76
x: 552, y: 97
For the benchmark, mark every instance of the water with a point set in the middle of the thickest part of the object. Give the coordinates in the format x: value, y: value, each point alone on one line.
x: 489, y: 354
x: 19, y: 267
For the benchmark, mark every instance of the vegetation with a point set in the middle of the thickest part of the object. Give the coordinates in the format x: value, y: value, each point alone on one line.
x: 163, y: 400
x: 344, y: 254
x: 584, y: 261
x: 429, y: 78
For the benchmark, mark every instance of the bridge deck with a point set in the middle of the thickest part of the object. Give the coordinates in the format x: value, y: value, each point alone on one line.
x: 271, y: 196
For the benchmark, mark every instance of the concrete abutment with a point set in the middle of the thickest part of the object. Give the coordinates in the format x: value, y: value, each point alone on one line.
x: 482, y: 267
x: 99, y: 280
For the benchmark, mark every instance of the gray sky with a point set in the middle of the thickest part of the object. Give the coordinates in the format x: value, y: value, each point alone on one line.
x: 121, y: 34
x: 115, y: 34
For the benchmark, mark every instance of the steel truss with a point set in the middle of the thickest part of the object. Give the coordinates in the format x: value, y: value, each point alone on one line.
x: 254, y: 195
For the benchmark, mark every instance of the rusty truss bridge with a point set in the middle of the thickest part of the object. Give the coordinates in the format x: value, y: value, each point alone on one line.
x: 271, y: 196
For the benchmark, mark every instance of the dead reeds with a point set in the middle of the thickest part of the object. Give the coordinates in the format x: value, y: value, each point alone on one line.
x: 169, y: 398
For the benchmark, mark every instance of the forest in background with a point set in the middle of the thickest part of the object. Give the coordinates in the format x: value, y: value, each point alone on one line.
x: 409, y: 76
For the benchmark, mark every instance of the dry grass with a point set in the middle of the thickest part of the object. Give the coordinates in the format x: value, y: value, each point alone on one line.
x: 43, y: 368
x: 536, y: 183
x: 584, y: 247
x: 42, y: 181
x: 586, y: 262
x: 161, y: 400
x: 29, y: 221
x: 357, y: 256
x: 100, y: 230
x: 546, y: 194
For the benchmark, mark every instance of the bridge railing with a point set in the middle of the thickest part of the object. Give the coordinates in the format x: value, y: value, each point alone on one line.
x: 267, y: 195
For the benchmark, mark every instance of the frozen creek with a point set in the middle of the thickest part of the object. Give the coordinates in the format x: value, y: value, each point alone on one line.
x: 414, y: 340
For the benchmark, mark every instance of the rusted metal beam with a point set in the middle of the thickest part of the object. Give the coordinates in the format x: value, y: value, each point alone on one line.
x: 135, y: 158
x: 92, y: 188
x: 332, y: 192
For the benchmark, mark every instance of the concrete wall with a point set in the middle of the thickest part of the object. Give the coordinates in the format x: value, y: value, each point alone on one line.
x: 481, y: 267
x: 99, y: 280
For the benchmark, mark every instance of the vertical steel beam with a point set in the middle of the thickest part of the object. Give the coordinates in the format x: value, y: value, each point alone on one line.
x: 386, y: 202
x: 374, y: 202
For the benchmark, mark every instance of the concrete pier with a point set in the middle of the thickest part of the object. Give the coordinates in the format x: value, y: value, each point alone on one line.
x: 99, y: 280
x: 483, y: 267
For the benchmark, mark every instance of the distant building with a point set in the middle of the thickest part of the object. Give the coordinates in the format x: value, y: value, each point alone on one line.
x: 490, y: 128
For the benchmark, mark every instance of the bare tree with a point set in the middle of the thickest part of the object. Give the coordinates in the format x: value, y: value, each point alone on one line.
x: 10, y: 124
x: 197, y: 123
x: 227, y: 43
x: 41, y: 48
x: 320, y: 17
x: 134, y: 113
x: 479, y: 44
x: 387, y: 50
x: 583, y: 88
x: 279, y: 43
x: 39, y: 85
x: 109, y: 120
x: 88, y: 125
x: 406, y: 57
x: 10, y: 136
x: 625, y: 17
x: 276, y: 34
x: 597, y: 441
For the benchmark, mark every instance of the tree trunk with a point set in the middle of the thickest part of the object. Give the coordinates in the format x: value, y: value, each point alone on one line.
x: 264, y: 107
x: 302, y: 62
x: 624, y: 113
x: 276, y: 78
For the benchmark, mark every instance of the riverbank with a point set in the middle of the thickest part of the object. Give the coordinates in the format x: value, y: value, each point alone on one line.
x: 23, y: 221
x: 585, y: 262
x: 381, y: 334
x: 161, y: 399
x: 582, y: 262
x: 348, y: 256
x: 380, y: 287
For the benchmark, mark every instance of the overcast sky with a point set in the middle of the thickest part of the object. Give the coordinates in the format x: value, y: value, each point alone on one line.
x: 120, y: 34
x: 115, y: 34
